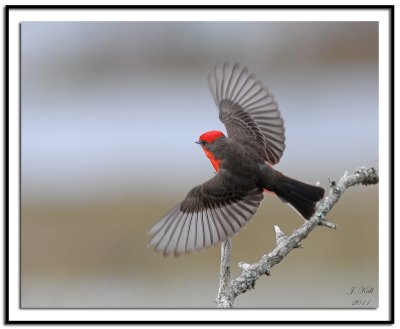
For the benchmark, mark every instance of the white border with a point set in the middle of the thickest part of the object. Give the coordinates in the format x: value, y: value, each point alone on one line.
x: 17, y: 16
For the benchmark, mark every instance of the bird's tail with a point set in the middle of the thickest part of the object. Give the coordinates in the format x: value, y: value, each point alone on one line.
x: 301, y: 196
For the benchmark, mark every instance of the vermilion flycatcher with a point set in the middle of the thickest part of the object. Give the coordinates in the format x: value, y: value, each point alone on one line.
x: 243, y: 161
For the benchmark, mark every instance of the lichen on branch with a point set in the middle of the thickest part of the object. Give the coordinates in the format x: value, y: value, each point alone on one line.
x: 229, y: 290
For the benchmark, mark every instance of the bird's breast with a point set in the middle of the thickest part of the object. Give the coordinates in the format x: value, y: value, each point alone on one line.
x: 216, y: 163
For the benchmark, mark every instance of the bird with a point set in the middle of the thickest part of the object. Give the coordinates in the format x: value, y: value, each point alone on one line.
x: 243, y: 160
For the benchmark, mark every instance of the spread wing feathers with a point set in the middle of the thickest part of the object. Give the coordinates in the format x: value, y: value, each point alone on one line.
x: 202, y: 220
x: 247, y: 109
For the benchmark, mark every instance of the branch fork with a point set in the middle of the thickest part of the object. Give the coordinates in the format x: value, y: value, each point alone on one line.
x: 229, y: 290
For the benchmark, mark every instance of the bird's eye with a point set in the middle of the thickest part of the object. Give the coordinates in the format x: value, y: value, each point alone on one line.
x: 201, y: 142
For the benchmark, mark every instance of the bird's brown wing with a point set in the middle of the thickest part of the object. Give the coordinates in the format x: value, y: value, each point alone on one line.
x: 249, y: 112
x: 209, y: 214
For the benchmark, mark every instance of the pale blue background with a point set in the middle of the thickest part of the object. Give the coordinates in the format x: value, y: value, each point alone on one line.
x: 110, y: 113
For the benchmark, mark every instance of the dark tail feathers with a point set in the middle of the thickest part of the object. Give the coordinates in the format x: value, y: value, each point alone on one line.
x: 301, y: 196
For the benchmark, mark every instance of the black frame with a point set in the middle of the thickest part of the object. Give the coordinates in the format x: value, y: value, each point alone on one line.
x: 9, y: 8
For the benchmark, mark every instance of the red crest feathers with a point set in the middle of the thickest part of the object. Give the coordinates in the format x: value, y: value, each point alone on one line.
x: 211, y: 136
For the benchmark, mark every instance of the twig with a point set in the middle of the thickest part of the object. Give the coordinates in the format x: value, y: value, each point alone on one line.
x: 228, y: 291
x: 225, y: 298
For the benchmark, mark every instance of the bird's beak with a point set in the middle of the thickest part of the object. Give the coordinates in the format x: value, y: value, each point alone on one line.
x: 197, y: 142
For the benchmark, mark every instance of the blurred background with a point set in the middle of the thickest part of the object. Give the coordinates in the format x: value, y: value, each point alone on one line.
x: 109, y: 115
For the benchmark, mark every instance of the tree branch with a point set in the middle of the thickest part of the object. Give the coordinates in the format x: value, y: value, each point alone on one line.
x: 225, y: 298
x: 228, y: 291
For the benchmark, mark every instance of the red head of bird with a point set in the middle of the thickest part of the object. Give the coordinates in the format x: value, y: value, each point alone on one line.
x: 206, y: 140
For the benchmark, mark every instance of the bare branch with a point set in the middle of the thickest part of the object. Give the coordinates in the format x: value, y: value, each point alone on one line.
x: 284, y: 244
x: 225, y: 298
